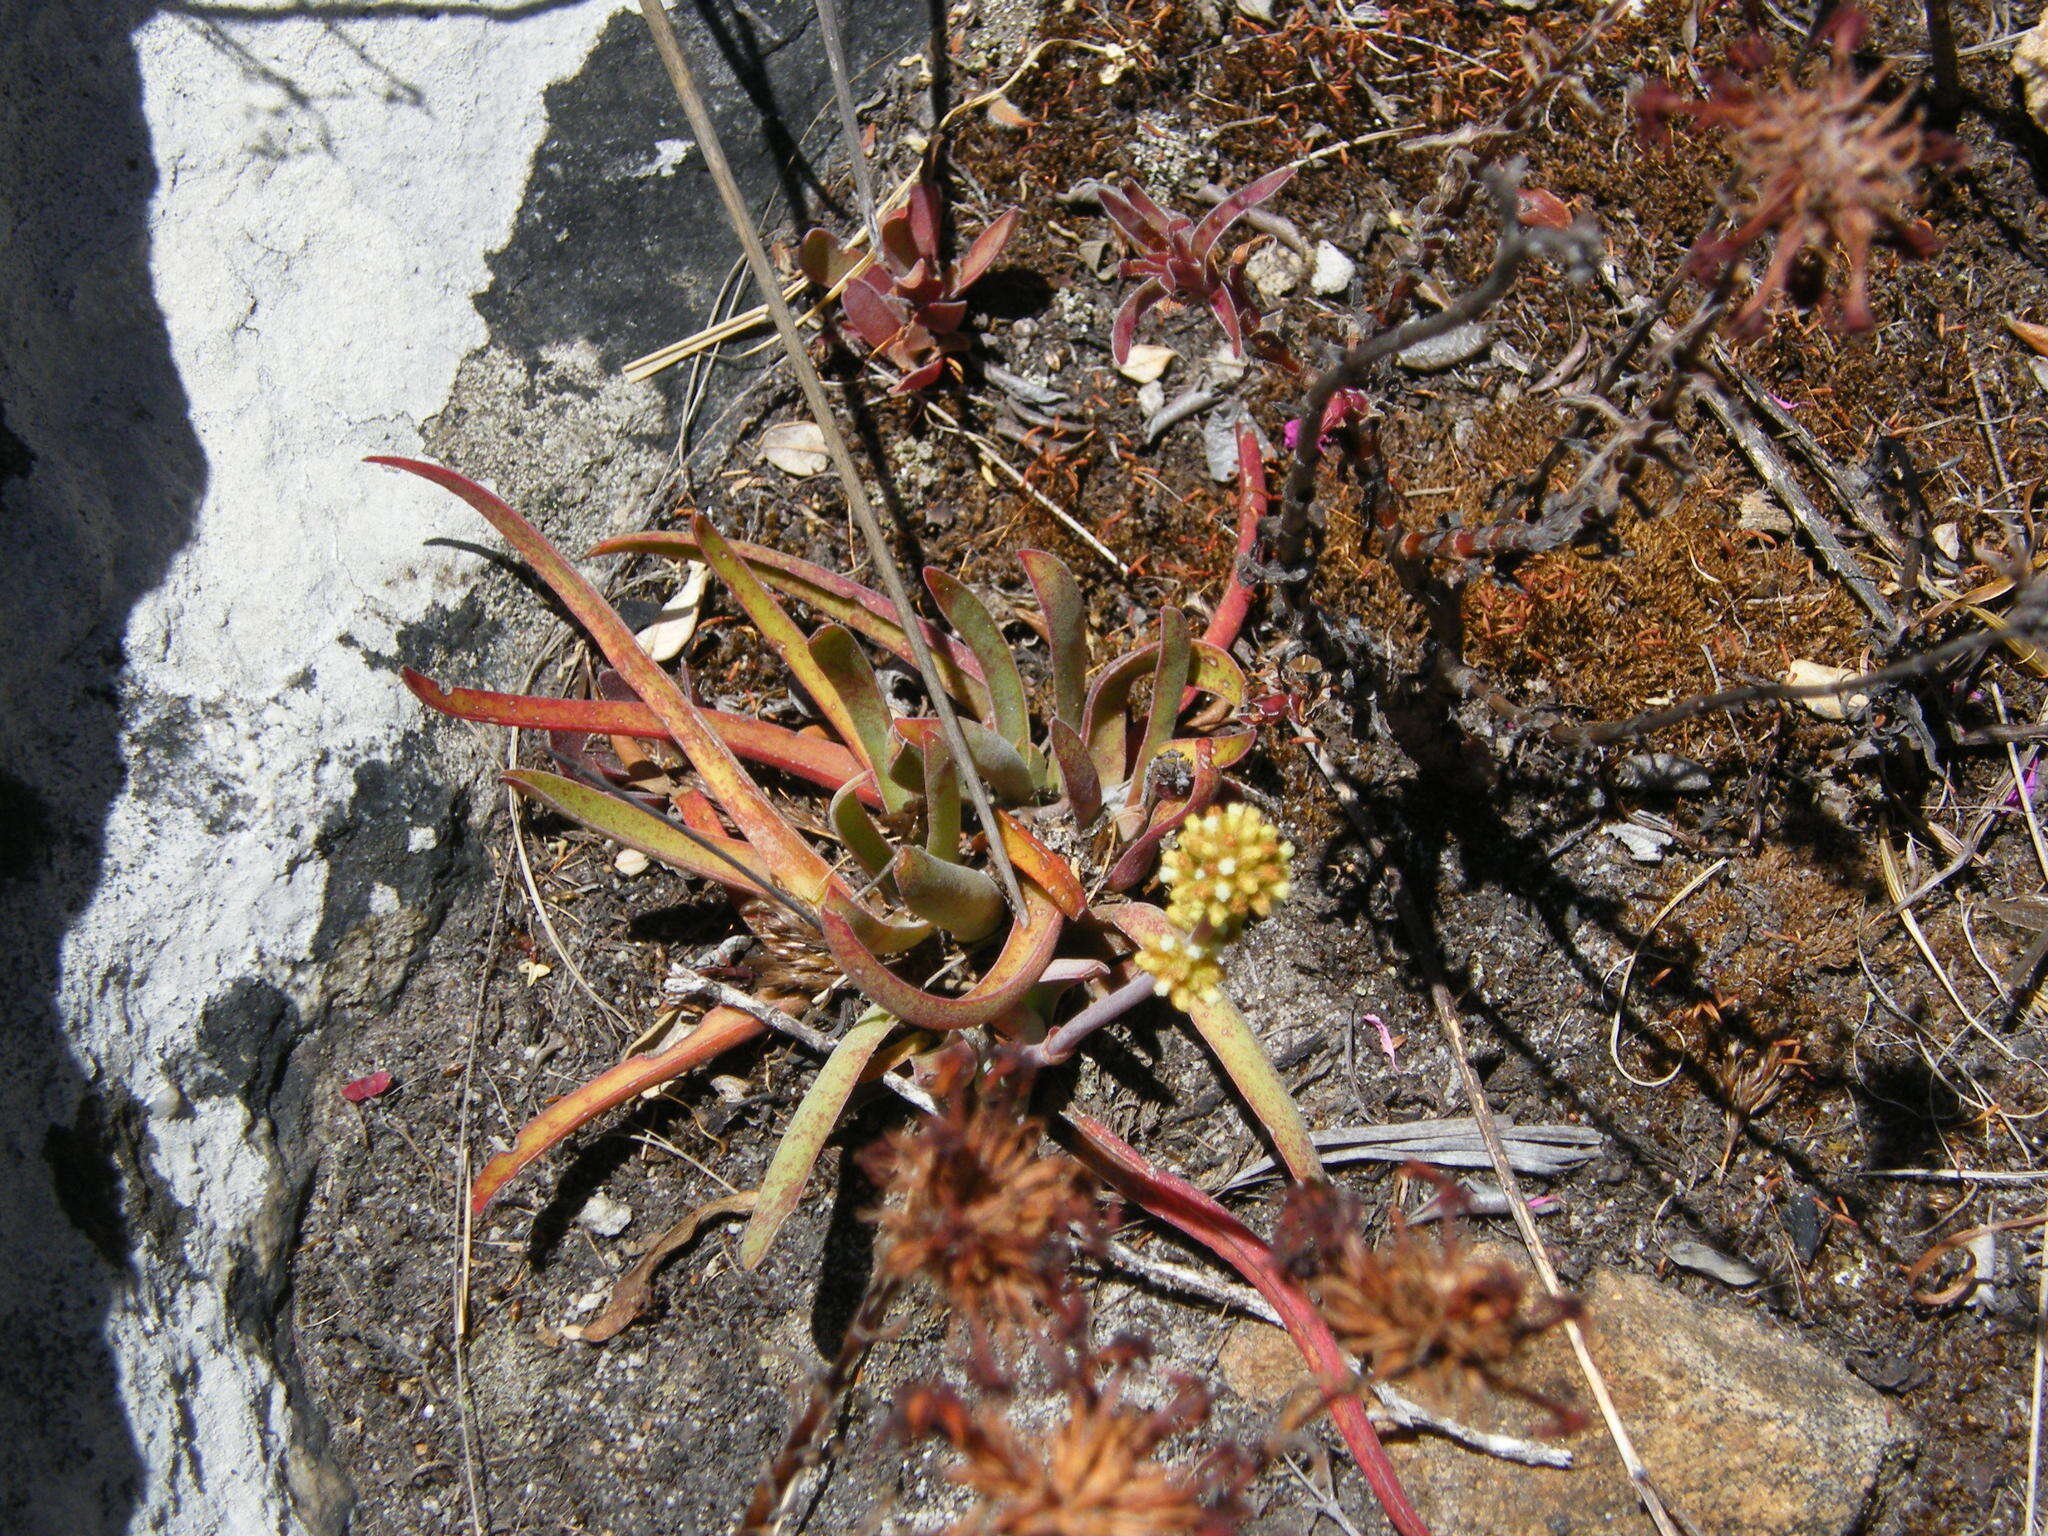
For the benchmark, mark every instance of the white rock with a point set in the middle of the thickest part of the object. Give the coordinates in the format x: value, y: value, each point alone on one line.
x: 1810, y: 674
x: 1146, y: 363
x: 1333, y: 270
x: 1275, y: 271
x: 2030, y: 67
x: 604, y: 1215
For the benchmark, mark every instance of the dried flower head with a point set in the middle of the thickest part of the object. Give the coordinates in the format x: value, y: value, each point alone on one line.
x: 1413, y: 1305
x: 1188, y: 970
x: 973, y: 1207
x: 1227, y: 865
x: 1095, y: 1474
x: 1823, y: 163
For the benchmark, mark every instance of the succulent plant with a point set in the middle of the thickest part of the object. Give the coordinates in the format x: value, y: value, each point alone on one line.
x: 1124, y: 752
x: 1179, y: 260
x: 909, y: 304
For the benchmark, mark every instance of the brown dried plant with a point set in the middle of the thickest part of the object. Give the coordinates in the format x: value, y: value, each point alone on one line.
x: 972, y: 1207
x: 1096, y: 1472
x: 1824, y: 165
x: 1416, y: 1305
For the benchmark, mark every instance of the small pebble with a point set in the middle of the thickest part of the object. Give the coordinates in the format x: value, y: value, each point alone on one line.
x: 604, y: 1215
x: 1333, y: 270
x: 1274, y: 270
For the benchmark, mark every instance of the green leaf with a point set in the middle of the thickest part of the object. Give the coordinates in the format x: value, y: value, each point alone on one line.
x: 971, y: 620
x: 857, y: 830
x: 785, y: 638
x: 1109, y: 700
x: 1169, y: 677
x: 964, y: 902
x: 1003, y: 769
x: 1066, y: 630
x: 847, y: 668
x: 941, y: 801
x: 861, y: 609
x: 730, y: 863
x: 1238, y: 1051
x: 809, y: 1127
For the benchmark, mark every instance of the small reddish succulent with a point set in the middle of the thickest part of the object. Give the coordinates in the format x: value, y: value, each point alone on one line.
x: 1824, y: 164
x: 1179, y: 260
x: 909, y: 305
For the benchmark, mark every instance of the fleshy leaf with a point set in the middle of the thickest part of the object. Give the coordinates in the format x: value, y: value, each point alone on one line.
x: 1066, y: 632
x: 1078, y: 777
x: 1234, y: 207
x: 1016, y: 970
x: 988, y: 245
x: 1123, y: 330
x: 809, y: 1127
x: 861, y: 609
x: 1238, y: 1050
x: 972, y: 621
x: 824, y: 763
x: 873, y: 316
x: 1252, y: 503
x: 847, y: 668
x: 857, y: 830
x: 731, y: 864
x: 788, y: 641
x: 791, y: 860
x: 717, y: 1032
x: 1169, y: 677
x: 1109, y: 699
x: 963, y: 902
x: 941, y: 800
x: 1035, y: 861
x: 1003, y: 769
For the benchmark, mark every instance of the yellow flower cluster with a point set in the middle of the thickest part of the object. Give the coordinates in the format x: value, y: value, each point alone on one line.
x: 1227, y: 865
x: 1186, y: 971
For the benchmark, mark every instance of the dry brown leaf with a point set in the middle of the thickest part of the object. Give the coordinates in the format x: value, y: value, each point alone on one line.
x: 796, y: 448
x: 634, y: 1293
x: 2035, y: 336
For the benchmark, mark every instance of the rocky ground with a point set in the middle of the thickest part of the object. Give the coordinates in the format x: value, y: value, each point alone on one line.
x: 1775, y: 956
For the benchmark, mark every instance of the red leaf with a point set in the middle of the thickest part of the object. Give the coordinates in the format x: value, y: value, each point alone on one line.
x: 366, y: 1087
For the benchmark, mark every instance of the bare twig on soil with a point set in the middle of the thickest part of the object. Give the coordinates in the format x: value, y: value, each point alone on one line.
x: 1293, y: 525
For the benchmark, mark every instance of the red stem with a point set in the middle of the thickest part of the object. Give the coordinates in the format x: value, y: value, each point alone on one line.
x: 1236, y: 600
x: 1174, y: 1200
